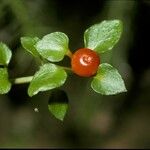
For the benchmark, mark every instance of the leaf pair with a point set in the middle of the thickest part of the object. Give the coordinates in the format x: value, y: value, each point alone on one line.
x: 52, y: 47
x: 5, y: 57
x: 101, y: 38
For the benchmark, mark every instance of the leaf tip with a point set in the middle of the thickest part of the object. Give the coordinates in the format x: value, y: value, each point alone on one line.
x: 61, y: 119
x: 125, y: 89
x: 58, y: 111
x: 30, y: 93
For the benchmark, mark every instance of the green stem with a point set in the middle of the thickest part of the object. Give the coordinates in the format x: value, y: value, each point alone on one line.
x: 69, y: 54
x: 22, y: 80
x: 67, y: 68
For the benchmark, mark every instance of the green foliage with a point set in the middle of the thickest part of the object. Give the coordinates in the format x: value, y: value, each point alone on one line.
x: 58, y: 104
x: 103, y: 36
x: 5, y: 54
x: 108, y: 81
x: 48, y: 77
x: 5, y: 84
x: 28, y: 44
x: 53, y: 47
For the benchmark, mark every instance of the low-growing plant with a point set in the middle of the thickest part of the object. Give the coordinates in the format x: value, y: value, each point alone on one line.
x: 85, y: 62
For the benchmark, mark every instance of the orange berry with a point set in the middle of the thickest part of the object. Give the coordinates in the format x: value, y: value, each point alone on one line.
x: 85, y: 62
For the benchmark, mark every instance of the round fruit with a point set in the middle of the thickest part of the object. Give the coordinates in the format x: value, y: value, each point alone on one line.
x: 85, y: 62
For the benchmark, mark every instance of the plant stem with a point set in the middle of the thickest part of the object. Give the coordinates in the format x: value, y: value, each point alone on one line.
x: 22, y: 80
x: 67, y: 68
x: 69, y: 53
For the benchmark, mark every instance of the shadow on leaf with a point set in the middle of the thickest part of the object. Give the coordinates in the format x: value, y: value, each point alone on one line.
x: 58, y: 103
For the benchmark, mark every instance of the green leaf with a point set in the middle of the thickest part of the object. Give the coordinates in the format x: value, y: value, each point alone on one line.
x: 5, y: 85
x: 103, y: 36
x: 48, y: 77
x: 53, y: 47
x: 58, y: 104
x: 108, y: 81
x: 28, y: 44
x: 5, y: 54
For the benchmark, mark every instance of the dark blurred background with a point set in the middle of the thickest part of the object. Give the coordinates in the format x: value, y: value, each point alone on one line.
x: 93, y: 120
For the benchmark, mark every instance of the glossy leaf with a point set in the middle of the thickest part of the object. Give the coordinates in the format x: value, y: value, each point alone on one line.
x: 108, y: 81
x: 5, y: 54
x: 58, y: 104
x: 53, y: 47
x: 28, y: 44
x: 103, y: 36
x: 5, y: 85
x: 48, y: 77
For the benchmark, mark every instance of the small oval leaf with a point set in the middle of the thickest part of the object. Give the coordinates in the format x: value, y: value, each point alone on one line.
x: 53, y: 47
x: 5, y: 54
x: 48, y: 77
x: 5, y: 85
x: 108, y: 81
x: 103, y: 36
x: 58, y: 104
x: 28, y: 44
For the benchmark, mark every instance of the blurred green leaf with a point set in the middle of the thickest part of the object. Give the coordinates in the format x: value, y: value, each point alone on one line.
x: 103, y: 36
x: 53, y: 47
x: 5, y: 85
x: 58, y: 104
x: 28, y: 44
x: 108, y: 81
x: 48, y: 77
x: 5, y: 54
